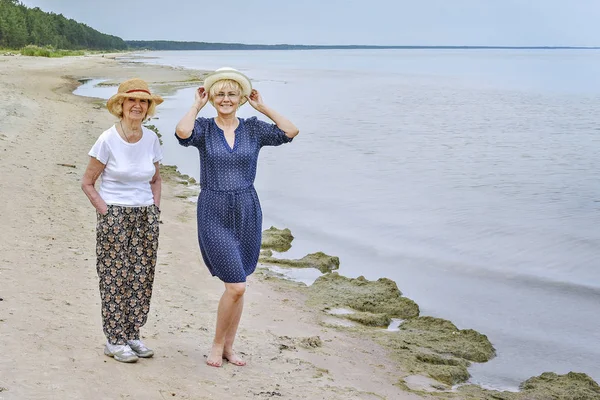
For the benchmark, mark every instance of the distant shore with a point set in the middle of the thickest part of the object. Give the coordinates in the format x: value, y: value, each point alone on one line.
x: 178, y: 45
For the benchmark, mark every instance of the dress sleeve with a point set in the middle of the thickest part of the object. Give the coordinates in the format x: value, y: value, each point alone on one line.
x: 267, y: 134
x: 197, y: 136
x: 100, y: 150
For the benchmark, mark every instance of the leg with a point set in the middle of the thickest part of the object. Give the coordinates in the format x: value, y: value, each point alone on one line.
x: 143, y: 252
x: 228, y: 316
x: 228, y: 352
x: 111, y: 264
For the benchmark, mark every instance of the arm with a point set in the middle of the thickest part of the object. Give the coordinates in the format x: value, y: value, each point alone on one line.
x: 156, y: 185
x: 93, y: 171
x: 186, y: 125
x: 255, y: 100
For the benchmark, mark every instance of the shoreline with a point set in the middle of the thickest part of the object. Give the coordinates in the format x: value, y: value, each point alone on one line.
x: 277, y: 322
x: 50, y: 316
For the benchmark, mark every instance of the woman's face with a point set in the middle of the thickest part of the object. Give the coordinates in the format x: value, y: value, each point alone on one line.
x: 135, y: 109
x: 227, y: 100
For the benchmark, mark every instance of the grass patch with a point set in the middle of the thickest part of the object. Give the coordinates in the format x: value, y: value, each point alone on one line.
x: 51, y: 52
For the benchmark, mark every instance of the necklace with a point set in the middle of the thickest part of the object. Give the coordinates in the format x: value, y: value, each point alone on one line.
x: 124, y: 133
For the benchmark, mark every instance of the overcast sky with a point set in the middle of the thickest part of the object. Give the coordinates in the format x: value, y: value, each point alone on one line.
x: 380, y: 22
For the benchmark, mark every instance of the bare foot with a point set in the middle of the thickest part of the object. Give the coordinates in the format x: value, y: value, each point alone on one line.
x: 233, y: 359
x: 215, y: 359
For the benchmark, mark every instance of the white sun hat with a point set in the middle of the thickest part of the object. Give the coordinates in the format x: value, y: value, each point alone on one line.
x: 229, y: 73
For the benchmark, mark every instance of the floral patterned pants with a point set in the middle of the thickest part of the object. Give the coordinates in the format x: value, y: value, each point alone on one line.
x: 126, y: 249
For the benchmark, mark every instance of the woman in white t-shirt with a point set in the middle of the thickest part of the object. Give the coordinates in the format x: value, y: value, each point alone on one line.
x: 126, y: 157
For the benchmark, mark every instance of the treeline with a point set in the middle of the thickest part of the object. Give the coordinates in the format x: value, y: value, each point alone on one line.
x: 21, y: 26
x: 174, y: 45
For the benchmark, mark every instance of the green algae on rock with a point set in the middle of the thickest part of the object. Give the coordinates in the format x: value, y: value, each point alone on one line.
x: 266, y: 253
x: 443, y: 337
x: 279, y: 240
x: 437, y: 348
x: 378, y: 297
x: 321, y: 261
x: 418, y: 360
x: 369, y: 319
x: 170, y: 172
x: 571, y: 386
x: 154, y: 129
x: 448, y: 370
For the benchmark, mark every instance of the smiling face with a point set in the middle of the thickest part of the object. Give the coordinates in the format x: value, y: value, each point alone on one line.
x: 135, y: 109
x: 225, y: 96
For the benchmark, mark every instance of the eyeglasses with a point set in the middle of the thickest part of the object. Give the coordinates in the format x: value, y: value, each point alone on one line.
x: 231, y: 95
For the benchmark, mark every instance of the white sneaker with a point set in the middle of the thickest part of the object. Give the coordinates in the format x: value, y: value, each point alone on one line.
x: 120, y: 352
x: 140, y: 349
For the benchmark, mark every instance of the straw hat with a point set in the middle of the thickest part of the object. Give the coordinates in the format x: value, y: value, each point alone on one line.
x: 136, y: 88
x: 234, y: 75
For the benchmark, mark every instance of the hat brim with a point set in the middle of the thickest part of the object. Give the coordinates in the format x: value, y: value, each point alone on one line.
x: 240, y: 78
x: 116, y: 99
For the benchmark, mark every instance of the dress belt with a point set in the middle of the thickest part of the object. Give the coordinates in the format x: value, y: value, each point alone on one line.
x: 232, y: 200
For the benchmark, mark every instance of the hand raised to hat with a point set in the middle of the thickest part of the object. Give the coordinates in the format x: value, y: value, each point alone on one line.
x: 200, y: 98
x: 255, y: 100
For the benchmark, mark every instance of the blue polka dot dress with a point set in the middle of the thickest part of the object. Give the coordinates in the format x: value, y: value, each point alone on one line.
x: 229, y: 213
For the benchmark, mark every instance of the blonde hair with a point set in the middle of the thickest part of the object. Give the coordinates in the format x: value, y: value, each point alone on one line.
x: 118, y: 109
x: 223, y: 84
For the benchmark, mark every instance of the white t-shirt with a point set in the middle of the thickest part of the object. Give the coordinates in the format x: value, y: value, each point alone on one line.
x: 129, y: 167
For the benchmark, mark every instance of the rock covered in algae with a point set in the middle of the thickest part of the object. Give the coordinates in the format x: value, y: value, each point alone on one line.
x: 377, y: 297
x: 266, y: 253
x: 547, y: 386
x: 277, y: 239
x: 448, y: 370
x: 417, y: 360
x: 369, y: 319
x: 154, y: 129
x: 436, y: 347
x: 443, y: 337
x: 569, y: 386
x: 170, y: 172
x: 321, y: 261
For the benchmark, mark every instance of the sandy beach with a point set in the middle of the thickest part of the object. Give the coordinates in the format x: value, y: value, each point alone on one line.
x: 51, y: 341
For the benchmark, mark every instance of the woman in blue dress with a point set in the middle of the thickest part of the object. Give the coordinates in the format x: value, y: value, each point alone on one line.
x: 229, y: 213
